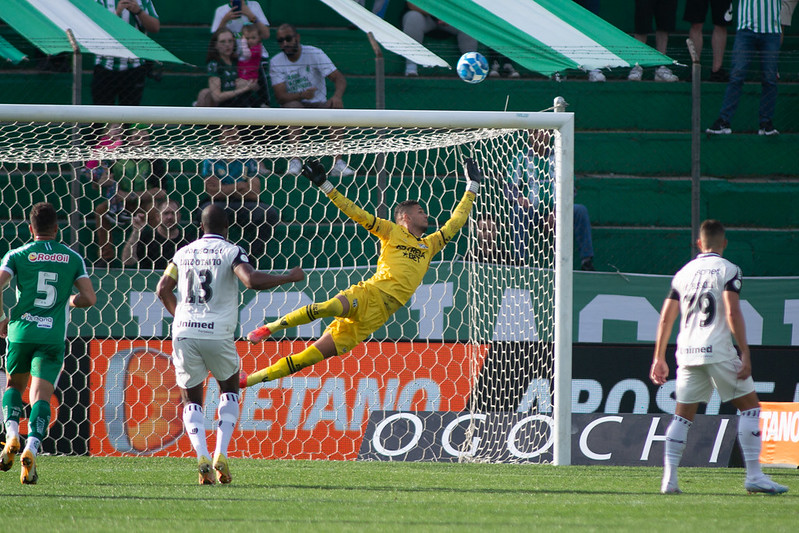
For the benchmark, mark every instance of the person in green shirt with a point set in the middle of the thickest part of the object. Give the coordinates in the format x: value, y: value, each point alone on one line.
x: 225, y: 88
x: 36, y: 330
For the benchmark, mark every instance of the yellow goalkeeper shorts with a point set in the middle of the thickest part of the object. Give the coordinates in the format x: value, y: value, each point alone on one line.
x: 370, y: 308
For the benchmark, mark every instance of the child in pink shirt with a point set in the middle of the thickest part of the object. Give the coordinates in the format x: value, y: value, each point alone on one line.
x: 250, y: 49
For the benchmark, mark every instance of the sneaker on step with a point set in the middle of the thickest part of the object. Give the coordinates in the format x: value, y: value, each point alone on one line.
x: 509, y: 71
x: 494, y: 72
x: 222, y: 469
x: 412, y: 69
x: 587, y: 264
x: 720, y: 127
x: 664, y: 73
x: 719, y: 76
x: 10, y: 451
x: 765, y: 485
x: 28, y: 475
x: 636, y: 73
x: 205, y: 469
x: 767, y: 128
x: 596, y: 75
x: 295, y: 167
x: 341, y: 169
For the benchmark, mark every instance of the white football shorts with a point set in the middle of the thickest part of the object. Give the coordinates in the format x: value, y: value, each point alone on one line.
x: 696, y: 383
x: 194, y: 358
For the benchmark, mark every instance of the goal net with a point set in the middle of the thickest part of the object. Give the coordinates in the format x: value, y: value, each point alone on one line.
x: 475, y: 367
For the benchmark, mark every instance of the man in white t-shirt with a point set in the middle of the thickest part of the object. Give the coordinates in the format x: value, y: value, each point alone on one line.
x: 298, y: 79
x: 206, y: 274
x: 706, y: 293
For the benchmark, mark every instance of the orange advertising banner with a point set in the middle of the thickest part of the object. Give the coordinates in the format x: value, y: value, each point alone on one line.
x: 779, y: 429
x: 318, y: 413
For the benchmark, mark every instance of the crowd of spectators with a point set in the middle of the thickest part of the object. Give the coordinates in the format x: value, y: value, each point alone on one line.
x: 241, y: 73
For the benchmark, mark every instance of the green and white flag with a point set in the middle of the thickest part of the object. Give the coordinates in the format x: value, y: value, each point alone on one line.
x: 390, y: 37
x: 545, y: 36
x: 10, y: 53
x: 97, y: 31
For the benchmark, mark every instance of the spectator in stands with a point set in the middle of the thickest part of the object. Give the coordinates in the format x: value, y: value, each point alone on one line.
x: 128, y: 185
x: 118, y: 79
x: 488, y: 248
x: 298, y: 79
x: 225, y: 88
x: 531, y: 192
x: 500, y: 65
x: 417, y: 23
x: 152, y: 243
x: 234, y: 185
x: 665, y: 15
x: 235, y: 19
x: 378, y: 8
x: 250, y: 48
x: 758, y: 34
x: 786, y: 14
x: 721, y: 14
x: 594, y: 75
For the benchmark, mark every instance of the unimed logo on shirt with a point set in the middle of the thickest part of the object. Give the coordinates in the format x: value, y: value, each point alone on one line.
x: 39, y: 257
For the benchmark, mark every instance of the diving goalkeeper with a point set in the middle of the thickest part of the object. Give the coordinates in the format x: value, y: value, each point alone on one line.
x: 360, y: 310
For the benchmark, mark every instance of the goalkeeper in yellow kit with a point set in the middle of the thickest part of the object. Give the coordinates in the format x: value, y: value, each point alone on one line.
x: 360, y: 310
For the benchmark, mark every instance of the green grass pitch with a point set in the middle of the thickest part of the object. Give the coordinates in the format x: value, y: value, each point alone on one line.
x: 148, y: 494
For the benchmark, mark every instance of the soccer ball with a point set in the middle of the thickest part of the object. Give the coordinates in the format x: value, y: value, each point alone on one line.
x: 472, y: 67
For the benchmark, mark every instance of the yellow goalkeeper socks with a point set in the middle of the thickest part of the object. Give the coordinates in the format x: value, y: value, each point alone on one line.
x: 307, y: 314
x: 288, y: 365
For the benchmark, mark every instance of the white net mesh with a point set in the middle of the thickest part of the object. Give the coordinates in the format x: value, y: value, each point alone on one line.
x: 470, y: 355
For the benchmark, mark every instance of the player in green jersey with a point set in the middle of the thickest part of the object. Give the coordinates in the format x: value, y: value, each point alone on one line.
x: 36, y: 330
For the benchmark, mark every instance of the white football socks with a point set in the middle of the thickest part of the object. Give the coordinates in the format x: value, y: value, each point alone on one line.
x: 676, y: 437
x: 194, y: 422
x: 12, y: 428
x: 749, y: 439
x: 32, y: 444
x: 228, y: 414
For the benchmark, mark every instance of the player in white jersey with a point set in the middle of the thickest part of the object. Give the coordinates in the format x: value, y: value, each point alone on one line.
x: 706, y: 293
x: 206, y: 310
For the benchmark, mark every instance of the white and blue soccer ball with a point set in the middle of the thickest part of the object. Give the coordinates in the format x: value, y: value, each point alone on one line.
x: 472, y: 67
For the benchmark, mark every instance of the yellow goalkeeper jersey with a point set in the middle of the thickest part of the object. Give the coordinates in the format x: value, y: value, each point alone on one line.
x: 404, y: 258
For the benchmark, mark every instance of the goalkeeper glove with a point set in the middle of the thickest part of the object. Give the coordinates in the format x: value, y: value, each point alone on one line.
x: 475, y: 175
x: 314, y: 171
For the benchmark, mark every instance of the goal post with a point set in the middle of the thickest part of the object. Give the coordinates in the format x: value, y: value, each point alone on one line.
x: 481, y: 354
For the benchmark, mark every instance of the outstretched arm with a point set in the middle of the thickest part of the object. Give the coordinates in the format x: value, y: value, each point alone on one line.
x: 260, y: 280
x: 460, y: 214
x: 314, y: 171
